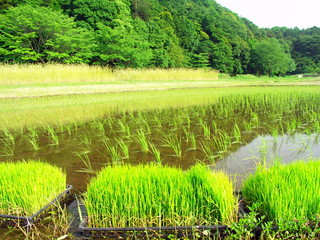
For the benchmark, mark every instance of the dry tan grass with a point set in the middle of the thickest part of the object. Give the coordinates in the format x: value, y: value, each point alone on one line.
x: 55, y: 73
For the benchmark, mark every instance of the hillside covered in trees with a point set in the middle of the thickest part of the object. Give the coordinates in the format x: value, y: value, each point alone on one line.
x: 151, y: 33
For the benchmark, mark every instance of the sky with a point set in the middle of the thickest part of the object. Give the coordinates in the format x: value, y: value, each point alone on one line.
x: 282, y: 13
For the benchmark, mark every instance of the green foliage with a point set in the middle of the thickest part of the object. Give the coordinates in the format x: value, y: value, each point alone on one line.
x: 33, y: 35
x: 90, y: 14
x: 151, y: 33
x: 269, y: 58
x: 121, y: 46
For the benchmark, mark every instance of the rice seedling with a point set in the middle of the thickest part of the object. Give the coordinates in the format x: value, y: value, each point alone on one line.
x: 52, y: 135
x: 173, y: 142
x: 155, y: 152
x: 99, y: 126
x: 191, y: 138
x: 124, y: 127
x: 154, y: 195
x: 113, y: 151
x: 142, y: 140
x: 8, y: 147
x: 27, y: 186
x: 205, y: 128
x: 84, y: 157
x: 209, y: 150
x: 123, y: 148
x: 286, y: 193
x: 8, y: 142
x: 33, y: 138
x: 86, y: 139
x: 236, y: 133
x: 8, y: 135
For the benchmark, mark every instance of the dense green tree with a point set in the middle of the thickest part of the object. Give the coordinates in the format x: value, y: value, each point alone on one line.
x: 54, y: 4
x: 152, y: 33
x: 90, y: 13
x: 307, y: 53
x: 269, y: 58
x: 121, y: 46
x: 40, y: 34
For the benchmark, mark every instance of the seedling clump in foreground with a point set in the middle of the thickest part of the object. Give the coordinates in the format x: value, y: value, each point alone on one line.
x: 155, y: 195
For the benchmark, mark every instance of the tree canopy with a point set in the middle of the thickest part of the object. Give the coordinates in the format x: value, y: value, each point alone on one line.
x: 151, y: 33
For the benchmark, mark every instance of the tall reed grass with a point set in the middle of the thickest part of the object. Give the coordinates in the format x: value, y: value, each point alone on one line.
x: 27, y: 186
x: 155, y: 195
x: 286, y: 193
x: 57, y: 73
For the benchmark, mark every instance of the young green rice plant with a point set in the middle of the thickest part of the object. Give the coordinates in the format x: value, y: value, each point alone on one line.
x: 123, y: 148
x: 222, y: 141
x: 208, y: 148
x: 113, y: 151
x: 205, y: 128
x: 157, y: 121
x: 263, y: 152
x: 191, y: 139
x: 27, y: 186
x: 8, y: 142
x: 86, y: 140
x: 174, y: 142
x: 124, y: 128
x: 142, y: 140
x: 155, y: 195
x: 53, y: 137
x: 86, y: 161
x: 155, y: 152
x: 99, y: 127
x: 236, y: 132
x: 33, y: 138
x: 8, y: 135
x: 287, y: 193
x: 8, y: 147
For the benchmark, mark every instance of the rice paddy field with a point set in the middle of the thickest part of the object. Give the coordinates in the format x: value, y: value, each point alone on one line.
x: 108, y: 120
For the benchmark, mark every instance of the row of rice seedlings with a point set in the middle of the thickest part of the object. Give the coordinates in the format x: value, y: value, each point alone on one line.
x: 155, y: 195
x: 17, y: 113
x: 214, y: 136
x: 285, y: 193
x: 26, y: 187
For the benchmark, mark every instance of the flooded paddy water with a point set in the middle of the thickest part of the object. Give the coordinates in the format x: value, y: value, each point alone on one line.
x: 232, y: 135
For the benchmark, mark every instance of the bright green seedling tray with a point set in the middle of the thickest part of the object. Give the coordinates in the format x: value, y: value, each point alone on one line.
x: 28, y: 220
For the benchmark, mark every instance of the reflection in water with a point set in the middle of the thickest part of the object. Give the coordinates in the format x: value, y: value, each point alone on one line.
x: 267, y: 148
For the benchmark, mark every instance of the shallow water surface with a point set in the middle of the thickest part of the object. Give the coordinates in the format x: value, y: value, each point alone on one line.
x: 266, y: 149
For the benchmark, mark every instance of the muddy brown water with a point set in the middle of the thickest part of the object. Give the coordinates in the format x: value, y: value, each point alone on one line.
x: 239, y: 160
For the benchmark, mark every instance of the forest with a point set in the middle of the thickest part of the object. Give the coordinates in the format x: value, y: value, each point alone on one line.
x: 152, y: 34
